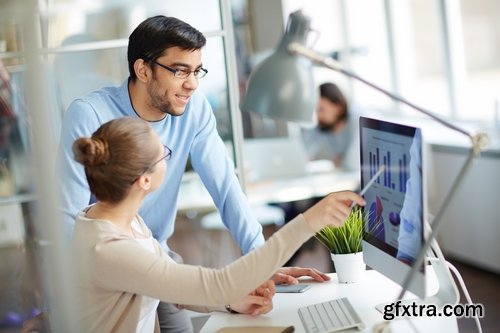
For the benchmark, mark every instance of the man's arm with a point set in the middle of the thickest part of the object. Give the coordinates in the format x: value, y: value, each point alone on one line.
x: 211, y: 161
x: 79, y: 120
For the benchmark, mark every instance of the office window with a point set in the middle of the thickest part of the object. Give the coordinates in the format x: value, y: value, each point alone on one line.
x: 367, y: 34
x: 419, y: 50
x: 107, y: 20
x: 481, y: 40
x: 215, y: 85
x: 86, y: 45
x: 441, y: 55
x: 448, y: 56
x: 327, y: 37
x: 353, y: 32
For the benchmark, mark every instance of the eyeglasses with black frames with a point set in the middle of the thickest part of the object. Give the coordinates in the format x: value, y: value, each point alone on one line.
x: 182, y: 73
x: 166, y: 156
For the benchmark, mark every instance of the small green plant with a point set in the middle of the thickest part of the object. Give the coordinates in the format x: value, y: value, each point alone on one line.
x: 346, y: 238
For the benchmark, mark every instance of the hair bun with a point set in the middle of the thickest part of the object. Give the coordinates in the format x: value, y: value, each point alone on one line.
x: 90, y: 151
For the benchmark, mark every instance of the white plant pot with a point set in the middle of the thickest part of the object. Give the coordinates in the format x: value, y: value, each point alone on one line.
x: 349, y: 267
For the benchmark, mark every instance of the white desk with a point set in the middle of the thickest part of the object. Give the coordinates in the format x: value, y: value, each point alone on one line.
x: 194, y: 196
x: 374, y: 289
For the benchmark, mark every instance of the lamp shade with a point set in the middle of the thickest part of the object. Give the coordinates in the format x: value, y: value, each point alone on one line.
x: 282, y: 86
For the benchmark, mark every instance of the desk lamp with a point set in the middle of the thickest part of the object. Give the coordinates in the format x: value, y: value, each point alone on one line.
x: 282, y: 87
x: 278, y: 88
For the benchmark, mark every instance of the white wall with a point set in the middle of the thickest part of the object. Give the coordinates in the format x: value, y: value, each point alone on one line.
x: 471, y: 227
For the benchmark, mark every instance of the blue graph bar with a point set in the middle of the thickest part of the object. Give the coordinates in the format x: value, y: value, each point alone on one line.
x: 388, y: 168
x: 371, y: 163
x: 377, y: 165
x: 405, y: 172
x: 400, y: 175
x: 386, y: 178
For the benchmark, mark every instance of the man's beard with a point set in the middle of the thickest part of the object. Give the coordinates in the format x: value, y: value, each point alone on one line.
x: 165, y: 107
x: 327, y: 127
x: 159, y: 100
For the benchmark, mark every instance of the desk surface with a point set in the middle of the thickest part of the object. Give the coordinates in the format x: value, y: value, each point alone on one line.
x: 194, y: 196
x: 374, y: 289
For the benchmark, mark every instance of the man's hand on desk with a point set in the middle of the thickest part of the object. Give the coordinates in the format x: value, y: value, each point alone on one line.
x: 289, y: 275
x: 258, y: 302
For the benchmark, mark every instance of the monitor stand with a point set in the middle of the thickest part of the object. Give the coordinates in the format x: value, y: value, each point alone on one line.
x: 447, y: 292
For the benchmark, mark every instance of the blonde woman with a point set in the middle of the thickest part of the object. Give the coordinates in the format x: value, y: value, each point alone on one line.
x: 122, y: 270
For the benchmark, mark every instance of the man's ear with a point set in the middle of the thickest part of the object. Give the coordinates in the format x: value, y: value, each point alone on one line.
x: 142, y: 70
x: 145, y: 182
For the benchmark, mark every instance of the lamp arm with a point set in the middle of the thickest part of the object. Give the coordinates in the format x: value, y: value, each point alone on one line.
x: 479, y: 141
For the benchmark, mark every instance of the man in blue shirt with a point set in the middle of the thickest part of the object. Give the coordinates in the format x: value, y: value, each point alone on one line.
x: 164, y: 56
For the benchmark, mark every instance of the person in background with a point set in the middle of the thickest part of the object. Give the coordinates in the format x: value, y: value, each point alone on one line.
x: 122, y: 271
x: 330, y: 138
x: 164, y: 61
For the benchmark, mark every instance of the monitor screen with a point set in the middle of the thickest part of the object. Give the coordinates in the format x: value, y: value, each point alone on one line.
x: 395, y: 201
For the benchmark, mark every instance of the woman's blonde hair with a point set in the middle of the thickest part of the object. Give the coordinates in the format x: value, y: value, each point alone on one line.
x: 114, y: 157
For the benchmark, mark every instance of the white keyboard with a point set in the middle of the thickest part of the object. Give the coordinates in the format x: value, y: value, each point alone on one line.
x: 331, y: 316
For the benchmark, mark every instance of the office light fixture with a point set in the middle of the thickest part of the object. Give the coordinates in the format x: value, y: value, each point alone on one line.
x: 272, y: 79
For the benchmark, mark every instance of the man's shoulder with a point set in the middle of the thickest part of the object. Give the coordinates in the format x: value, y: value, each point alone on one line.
x: 198, y: 100
x: 312, y: 132
x: 107, y: 102
x: 198, y: 108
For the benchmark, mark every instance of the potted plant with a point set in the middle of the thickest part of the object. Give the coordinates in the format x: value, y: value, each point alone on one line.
x: 345, y: 246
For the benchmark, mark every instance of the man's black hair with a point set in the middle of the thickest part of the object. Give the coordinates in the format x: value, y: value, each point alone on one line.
x: 156, y: 34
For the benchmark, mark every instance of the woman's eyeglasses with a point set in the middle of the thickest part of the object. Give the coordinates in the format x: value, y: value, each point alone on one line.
x: 166, y: 156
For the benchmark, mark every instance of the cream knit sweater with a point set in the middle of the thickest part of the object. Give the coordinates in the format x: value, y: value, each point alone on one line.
x: 114, y: 271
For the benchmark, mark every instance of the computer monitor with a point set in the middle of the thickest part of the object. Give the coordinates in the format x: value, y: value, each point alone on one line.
x: 395, y: 203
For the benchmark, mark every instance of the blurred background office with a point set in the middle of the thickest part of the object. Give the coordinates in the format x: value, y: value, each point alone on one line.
x: 443, y: 55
